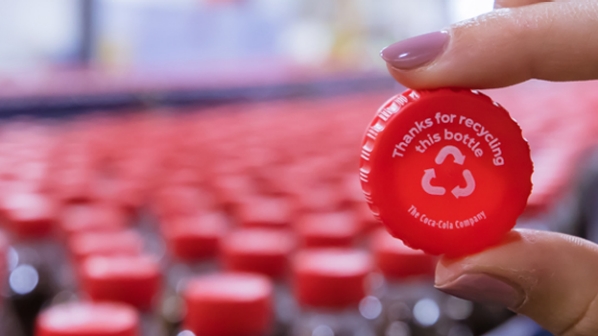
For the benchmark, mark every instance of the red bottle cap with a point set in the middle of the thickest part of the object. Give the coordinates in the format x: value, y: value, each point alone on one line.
x: 130, y: 279
x: 318, y: 197
x: 229, y: 304
x: 333, y: 229
x: 330, y: 278
x: 84, y: 245
x: 265, y: 212
x: 258, y: 251
x: 447, y: 171
x: 366, y: 218
x: 195, y: 237
x: 88, y: 319
x: 230, y: 190
x: 29, y: 214
x: 92, y: 218
x: 74, y: 183
x: 397, y: 261
x: 176, y: 201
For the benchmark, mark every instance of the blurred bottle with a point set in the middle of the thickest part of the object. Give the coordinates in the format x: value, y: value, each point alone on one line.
x: 267, y: 252
x: 134, y: 280
x: 265, y: 212
x: 91, y: 217
x: 328, y: 229
x: 411, y: 304
x: 229, y: 304
x: 329, y: 285
x: 193, y: 243
x: 86, y: 318
x: 38, y: 260
x: 230, y: 190
x: 9, y: 324
x: 84, y: 245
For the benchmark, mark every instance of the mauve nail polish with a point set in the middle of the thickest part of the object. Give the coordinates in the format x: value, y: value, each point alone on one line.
x: 415, y: 52
x: 484, y: 288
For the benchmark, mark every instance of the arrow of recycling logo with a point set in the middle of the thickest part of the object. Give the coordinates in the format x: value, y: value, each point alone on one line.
x: 430, y: 174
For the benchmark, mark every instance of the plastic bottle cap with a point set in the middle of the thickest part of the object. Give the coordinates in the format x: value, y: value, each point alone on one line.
x: 232, y: 189
x: 229, y: 304
x: 175, y: 201
x: 318, y: 197
x: 368, y: 222
x: 447, y: 171
x: 115, y: 243
x: 74, y: 183
x: 130, y: 279
x: 330, y: 278
x: 258, y: 251
x: 92, y: 218
x: 196, y: 237
x: 398, y: 261
x: 333, y: 229
x: 29, y: 214
x: 265, y: 212
x: 88, y: 319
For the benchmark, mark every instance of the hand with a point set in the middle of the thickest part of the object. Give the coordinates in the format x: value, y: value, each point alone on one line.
x: 550, y: 277
x: 555, y: 41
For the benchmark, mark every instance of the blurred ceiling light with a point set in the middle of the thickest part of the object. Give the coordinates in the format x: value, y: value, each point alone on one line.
x: 460, y: 10
x: 426, y: 312
x: 23, y: 279
x: 163, y: 3
x: 307, y: 42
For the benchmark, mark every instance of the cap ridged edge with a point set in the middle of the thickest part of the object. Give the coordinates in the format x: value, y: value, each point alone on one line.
x: 383, y: 116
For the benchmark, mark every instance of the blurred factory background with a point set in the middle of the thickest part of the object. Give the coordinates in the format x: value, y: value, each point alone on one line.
x: 194, y: 163
x: 171, y: 35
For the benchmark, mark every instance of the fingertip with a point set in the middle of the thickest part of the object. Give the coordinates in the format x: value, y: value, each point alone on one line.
x: 503, y: 47
x: 449, y: 268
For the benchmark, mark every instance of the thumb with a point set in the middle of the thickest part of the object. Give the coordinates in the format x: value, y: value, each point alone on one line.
x: 550, y: 277
x: 550, y: 40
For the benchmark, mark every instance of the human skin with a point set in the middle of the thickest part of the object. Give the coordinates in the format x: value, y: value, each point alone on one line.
x: 550, y: 277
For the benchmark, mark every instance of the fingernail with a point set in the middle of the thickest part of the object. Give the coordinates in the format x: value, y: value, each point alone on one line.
x: 415, y: 52
x: 484, y: 288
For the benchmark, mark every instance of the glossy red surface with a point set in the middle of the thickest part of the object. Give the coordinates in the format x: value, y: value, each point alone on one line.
x: 447, y: 171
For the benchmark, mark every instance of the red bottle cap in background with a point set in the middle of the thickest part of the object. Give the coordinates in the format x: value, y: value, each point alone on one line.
x: 231, y: 190
x: 265, y: 212
x: 330, y: 278
x: 74, y: 183
x: 447, y: 171
x: 397, y: 261
x: 176, y: 201
x: 196, y: 237
x: 88, y: 319
x: 130, y: 279
x: 125, y: 242
x: 229, y: 304
x: 29, y: 214
x: 78, y: 218
x: 332, y: 229
x: 366, y: 218
x: 318, y: 197
x: 258, y: 251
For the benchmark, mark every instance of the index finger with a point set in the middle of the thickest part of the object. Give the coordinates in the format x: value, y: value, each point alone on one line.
x: 551, y: 41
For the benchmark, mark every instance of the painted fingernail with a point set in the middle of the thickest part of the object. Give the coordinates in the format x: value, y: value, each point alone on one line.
x: 417, y: 51
x: 484, y: 288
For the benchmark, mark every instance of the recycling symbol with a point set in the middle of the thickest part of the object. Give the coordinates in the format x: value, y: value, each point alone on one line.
x: 430, y: 174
